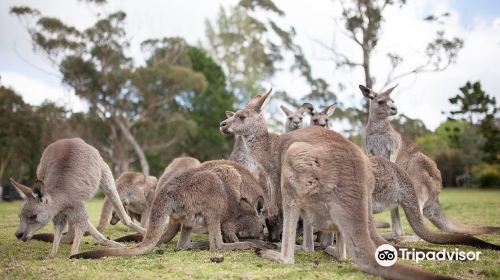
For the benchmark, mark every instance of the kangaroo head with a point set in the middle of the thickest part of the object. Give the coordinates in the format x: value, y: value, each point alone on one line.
x: 114, y: 218
x: 293, y: 119
x: 36, y: 210
x: 251, y: 218
x: 247, y: 121
x: 381, y: 104
x: 320, y: 118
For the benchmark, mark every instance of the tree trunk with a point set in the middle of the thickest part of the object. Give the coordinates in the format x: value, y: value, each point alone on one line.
x: 137, y: 147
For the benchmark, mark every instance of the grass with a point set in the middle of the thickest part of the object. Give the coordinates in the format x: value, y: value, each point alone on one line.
x: 19, y: 260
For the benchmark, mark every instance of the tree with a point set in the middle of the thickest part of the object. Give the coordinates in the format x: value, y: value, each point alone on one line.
x: 362, y: 22
x: 409, y: 127
x: 490, y: 129
x: 480, y: 110
x: 251, y: 51
x: 19, y: 134
x: 474, y: 103
x: 135, y: 103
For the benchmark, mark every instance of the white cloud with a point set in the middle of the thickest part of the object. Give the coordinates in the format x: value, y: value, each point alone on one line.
x: 35, y: 92
x: 403, y: 30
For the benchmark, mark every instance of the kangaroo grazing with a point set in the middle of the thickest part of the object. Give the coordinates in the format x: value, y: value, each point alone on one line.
x: 323, y: 177
x: 133, y: 189
x: 382, y: 140
x: 69, y: 173
x: 176, y: 167
x: 293, y: 119
x: 241, y: 154
x: 216, y: 195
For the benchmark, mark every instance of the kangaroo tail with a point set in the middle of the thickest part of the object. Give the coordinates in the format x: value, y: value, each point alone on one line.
x: 436, y: 215
x: 412, y: 212
x: 107, y: 208
x: 130, y: 238
x: 45, y: 237
x: 382, y: 224
x: 170, y: 232
x: 156, y: 227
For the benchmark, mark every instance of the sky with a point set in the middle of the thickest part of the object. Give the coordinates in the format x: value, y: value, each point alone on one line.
x: 424, y: 97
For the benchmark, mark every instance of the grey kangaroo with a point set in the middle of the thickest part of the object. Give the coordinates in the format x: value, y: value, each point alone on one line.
x: 133, y: 189
x: 293, y: 118
x: 176, y: 167
x: 321, y: 118
x: 393, y: 186
x: 69, y: 173
x: 323, y: 177
x: 241, y: 154
x: 382, y: 140
x: 215, y: 195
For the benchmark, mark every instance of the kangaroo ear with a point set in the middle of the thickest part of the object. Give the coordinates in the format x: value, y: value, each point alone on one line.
x: 388, y: 91
x: 330, y: 109
x: 301, y: 110
x: 259, y: 205
x: 367, y: 92
x: 309, y: 108
x: 285, y: 110
x: 38, y: 192
x: 24, y: 189
x: 262, y: 102
x: 229, y: 114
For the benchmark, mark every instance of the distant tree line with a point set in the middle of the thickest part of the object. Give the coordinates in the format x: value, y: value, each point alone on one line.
x: 142, y: 115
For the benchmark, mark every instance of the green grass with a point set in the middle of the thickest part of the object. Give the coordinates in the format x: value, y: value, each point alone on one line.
x: 19, y: 260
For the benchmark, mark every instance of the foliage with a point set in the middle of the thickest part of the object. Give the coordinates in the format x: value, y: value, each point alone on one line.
x: 251, y: 51
x: 486, y: 175
x: 490, y: 130
x: 480, y: 109
x: 207, y: 109
x: 474, y: 103
x: 144, y: 110
x: 19, y: 134
x: 409, y: 127
x: 362, y: 23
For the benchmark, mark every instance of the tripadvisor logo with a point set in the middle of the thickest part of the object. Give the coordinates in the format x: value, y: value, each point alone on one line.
x: 387, y: 255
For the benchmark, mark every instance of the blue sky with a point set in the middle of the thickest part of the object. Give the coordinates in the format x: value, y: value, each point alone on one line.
x: 471, y: 9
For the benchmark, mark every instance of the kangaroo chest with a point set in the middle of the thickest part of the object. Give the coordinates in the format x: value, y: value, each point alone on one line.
x: 381, y: 144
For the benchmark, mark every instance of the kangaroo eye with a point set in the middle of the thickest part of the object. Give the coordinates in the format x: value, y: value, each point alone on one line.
x: 242, y: 117
x: 32, y: 217
x: 290, y: 118
x: 315, y: 121
x: 381, y: 102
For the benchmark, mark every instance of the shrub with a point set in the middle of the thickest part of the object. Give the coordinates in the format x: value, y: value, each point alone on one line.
x: 486, y: 175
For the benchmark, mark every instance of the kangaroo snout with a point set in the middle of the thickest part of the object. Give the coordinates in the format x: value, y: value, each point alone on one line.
x: 19, y: 235
x: 223, y: 127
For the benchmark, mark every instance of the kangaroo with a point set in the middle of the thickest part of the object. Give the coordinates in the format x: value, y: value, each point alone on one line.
x: 133, y: 189
x: 293, y: 119
x: 69, y: 173
x: 394, y: 186
x: 323, y: 177
x: 215, y: 195
x: 382, y: 140
x: 321, y: 118
x: 176, y: 167
x: 241, y: 154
